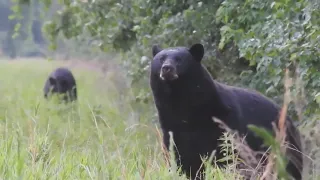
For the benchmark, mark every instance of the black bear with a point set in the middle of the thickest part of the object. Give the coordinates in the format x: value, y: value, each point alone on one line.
x: 61, y: 81
x: 186, y: 98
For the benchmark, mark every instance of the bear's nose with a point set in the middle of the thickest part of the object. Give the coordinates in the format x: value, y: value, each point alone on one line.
x: 167, y: 68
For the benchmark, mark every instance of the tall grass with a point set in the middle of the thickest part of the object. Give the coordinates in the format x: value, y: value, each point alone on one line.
x: 101, y: 136
x: 96, y: 138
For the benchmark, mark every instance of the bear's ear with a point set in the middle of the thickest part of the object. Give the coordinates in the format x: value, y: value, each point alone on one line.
x: 197, y: 51
x: 156, y: 49
x: 52, y: 81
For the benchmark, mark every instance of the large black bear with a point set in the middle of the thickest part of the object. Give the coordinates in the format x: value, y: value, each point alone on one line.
x: 61, y: 81
x: 186, y: 98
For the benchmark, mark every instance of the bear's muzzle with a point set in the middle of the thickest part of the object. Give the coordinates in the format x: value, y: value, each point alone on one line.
x: 168, y: 72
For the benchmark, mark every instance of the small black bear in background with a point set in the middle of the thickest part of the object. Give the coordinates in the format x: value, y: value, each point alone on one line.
x: 186, y: 98
x: 61, y: 81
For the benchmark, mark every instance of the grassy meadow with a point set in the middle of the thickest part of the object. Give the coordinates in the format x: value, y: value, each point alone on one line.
x: 101, y: 136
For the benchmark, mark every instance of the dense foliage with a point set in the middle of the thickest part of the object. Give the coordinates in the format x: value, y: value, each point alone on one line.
x: 21, y: 29
x: 248, y: 43
x: 274, y: 36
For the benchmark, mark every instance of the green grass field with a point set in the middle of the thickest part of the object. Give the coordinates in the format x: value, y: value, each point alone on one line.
x: 96, y: 138
x: 101, y: 136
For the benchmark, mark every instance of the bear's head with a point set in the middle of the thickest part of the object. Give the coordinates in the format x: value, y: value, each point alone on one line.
x: 61, y: 87
x: 172, y: 64
x: 58, y: 85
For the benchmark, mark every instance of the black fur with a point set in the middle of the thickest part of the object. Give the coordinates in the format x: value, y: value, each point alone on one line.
x: 61, y: 81
x: 187, y: 103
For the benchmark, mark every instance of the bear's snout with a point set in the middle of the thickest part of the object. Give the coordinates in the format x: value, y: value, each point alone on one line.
x: 167, y: 68
x: 168, y: 72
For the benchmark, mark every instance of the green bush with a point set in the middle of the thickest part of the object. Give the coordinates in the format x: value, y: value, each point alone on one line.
x: 248, y: 43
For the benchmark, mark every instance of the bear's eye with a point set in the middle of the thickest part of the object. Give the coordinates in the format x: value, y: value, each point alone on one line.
x: 162, y: 58
x: 178, y: 60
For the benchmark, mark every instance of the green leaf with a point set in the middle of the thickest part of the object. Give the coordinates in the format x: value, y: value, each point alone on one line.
x: 264, y: 134
x: 293, y: 56
x: 317, y: 98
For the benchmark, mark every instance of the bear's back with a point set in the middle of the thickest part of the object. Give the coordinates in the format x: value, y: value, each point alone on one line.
x: 258, y: 107
x: 62, y: 73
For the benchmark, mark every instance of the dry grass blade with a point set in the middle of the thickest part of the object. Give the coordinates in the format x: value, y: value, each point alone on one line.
x: 250, y: 165
x: 280, y: 131
x: 164, y: 150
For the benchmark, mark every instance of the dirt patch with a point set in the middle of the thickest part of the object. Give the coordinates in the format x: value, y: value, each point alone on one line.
x: 107, y: 70
x: 92, y: 66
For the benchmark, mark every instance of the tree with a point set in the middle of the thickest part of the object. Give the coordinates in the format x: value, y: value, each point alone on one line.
x: 248, y: 43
